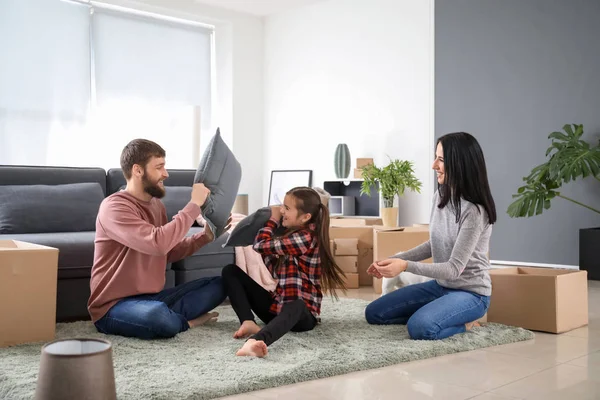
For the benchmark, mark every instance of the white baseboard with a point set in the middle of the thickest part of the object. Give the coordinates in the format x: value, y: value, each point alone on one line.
x: 529, y: 264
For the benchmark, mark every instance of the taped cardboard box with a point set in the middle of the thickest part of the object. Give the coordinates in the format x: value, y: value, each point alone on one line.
x: 364, y: 234
x: 28, y: 278
x: 348, y: 264
x: 390, y: 241
x: 351, y: 280
x: 539, y: 299
x: 345, y: 247
x: 348, y: 221
x: 363, y: 162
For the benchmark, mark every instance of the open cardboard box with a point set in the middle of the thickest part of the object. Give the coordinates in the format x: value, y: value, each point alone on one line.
x: 540, y: 299
x: 28, y: 276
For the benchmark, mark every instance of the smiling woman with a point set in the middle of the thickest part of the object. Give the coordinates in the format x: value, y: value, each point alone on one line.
x: 462, y: 215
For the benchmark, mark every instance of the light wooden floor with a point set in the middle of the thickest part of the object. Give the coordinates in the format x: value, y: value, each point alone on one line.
x: 562, y: 367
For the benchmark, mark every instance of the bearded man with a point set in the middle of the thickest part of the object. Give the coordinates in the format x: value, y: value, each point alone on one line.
x: 133, y: 245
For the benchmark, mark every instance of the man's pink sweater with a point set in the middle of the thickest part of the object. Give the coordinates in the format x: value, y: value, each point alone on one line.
x: 134, y: 242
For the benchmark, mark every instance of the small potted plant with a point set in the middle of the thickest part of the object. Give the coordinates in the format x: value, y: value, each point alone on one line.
x: 392, y: 180
x: 571, y: 158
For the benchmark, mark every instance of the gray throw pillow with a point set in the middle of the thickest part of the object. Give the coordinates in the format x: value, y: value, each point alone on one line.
x: 49, y: 208
x: 220, y: 172
x: 245, y: 231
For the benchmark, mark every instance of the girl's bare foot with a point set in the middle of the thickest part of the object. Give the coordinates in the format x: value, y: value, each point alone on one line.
x: 253, y: 348
x: 247, y: 329
x: 203, y: 319
x: 472, y: 325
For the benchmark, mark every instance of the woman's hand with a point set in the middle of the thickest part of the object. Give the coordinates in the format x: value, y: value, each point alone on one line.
x: 276, y: 212
x: 391, y: 267
x: 372, y: 270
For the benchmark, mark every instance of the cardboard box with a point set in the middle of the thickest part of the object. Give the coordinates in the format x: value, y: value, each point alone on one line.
x: 352, y: 281
x: 345, y: 247
x: 540, y: 299
x: 390, y: 241
x: 363, y: 162
x: 348, y: 264
x: 364, y: 234
x: 348, y: 221
x: 28, y: 275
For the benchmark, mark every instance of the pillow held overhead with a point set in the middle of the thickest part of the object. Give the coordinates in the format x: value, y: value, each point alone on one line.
x: 221, y: 173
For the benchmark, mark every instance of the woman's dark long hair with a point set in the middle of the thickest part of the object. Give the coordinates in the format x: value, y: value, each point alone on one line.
x: 308, y: 201
x: 465, y: 174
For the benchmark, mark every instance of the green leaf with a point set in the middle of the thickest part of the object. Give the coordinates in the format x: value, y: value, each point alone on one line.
x: 558, y: 135
x: 547, y: 204
x: 540, y: 205
x: 567, y: 128
x: 568, y: 158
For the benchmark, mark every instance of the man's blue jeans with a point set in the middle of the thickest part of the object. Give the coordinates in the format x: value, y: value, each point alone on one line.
x: 164, y: 314
x: 428, y: 310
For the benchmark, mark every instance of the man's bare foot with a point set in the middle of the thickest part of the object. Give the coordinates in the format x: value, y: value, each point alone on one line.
x: 472, y: 325
x: 203, y: 319
x: 247, y: 329
x: 253, y: 348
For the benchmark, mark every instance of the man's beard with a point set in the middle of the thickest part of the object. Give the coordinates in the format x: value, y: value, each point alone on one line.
x: 152, y: 188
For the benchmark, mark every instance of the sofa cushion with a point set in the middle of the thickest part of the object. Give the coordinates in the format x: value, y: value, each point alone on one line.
x: 220, y: 172
x: 176, y: 198
x: 75, y: 250
x: 49, y: 208
x: 46, y: 175
x: 211, y: 255
x: 245, y: 231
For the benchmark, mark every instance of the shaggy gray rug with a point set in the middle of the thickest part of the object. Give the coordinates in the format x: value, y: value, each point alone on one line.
x: 201, y: 363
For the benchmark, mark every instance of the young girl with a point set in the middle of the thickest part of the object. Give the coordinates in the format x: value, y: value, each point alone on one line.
x: 300, y: 259
x: 462, y: 216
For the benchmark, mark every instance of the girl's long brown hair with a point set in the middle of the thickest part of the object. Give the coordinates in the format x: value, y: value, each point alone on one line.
x: 308, y: 201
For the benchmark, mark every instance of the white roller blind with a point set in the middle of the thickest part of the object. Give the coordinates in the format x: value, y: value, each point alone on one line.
x: 76, y: 86
x: 44, y: 79
x: 152, y: 78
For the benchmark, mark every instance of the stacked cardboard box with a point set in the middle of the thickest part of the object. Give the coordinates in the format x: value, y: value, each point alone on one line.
x: 345, y: 254
x: 360, y: 164
x: 364, y: 235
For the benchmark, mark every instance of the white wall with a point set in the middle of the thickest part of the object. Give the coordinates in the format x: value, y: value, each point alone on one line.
x: 239, y: 59
x: 356, y: 72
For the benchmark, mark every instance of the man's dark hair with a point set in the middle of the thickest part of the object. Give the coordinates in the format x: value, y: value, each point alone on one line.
x: 139, y: 151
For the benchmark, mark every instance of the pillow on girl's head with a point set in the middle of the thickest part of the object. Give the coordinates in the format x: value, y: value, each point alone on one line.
x: 245, y: 231
x: 221, y: 173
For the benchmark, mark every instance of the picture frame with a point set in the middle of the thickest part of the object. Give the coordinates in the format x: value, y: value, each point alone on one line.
x: 284, y: 180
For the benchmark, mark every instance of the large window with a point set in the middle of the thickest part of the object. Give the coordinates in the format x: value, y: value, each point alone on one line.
x: 78, y: 81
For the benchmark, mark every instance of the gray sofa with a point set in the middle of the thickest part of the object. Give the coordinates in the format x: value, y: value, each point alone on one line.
x: 63, y: 215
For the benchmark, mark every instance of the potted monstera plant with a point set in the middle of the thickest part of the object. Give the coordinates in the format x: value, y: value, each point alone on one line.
x: 394, y: 179
x: 569, y: 158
